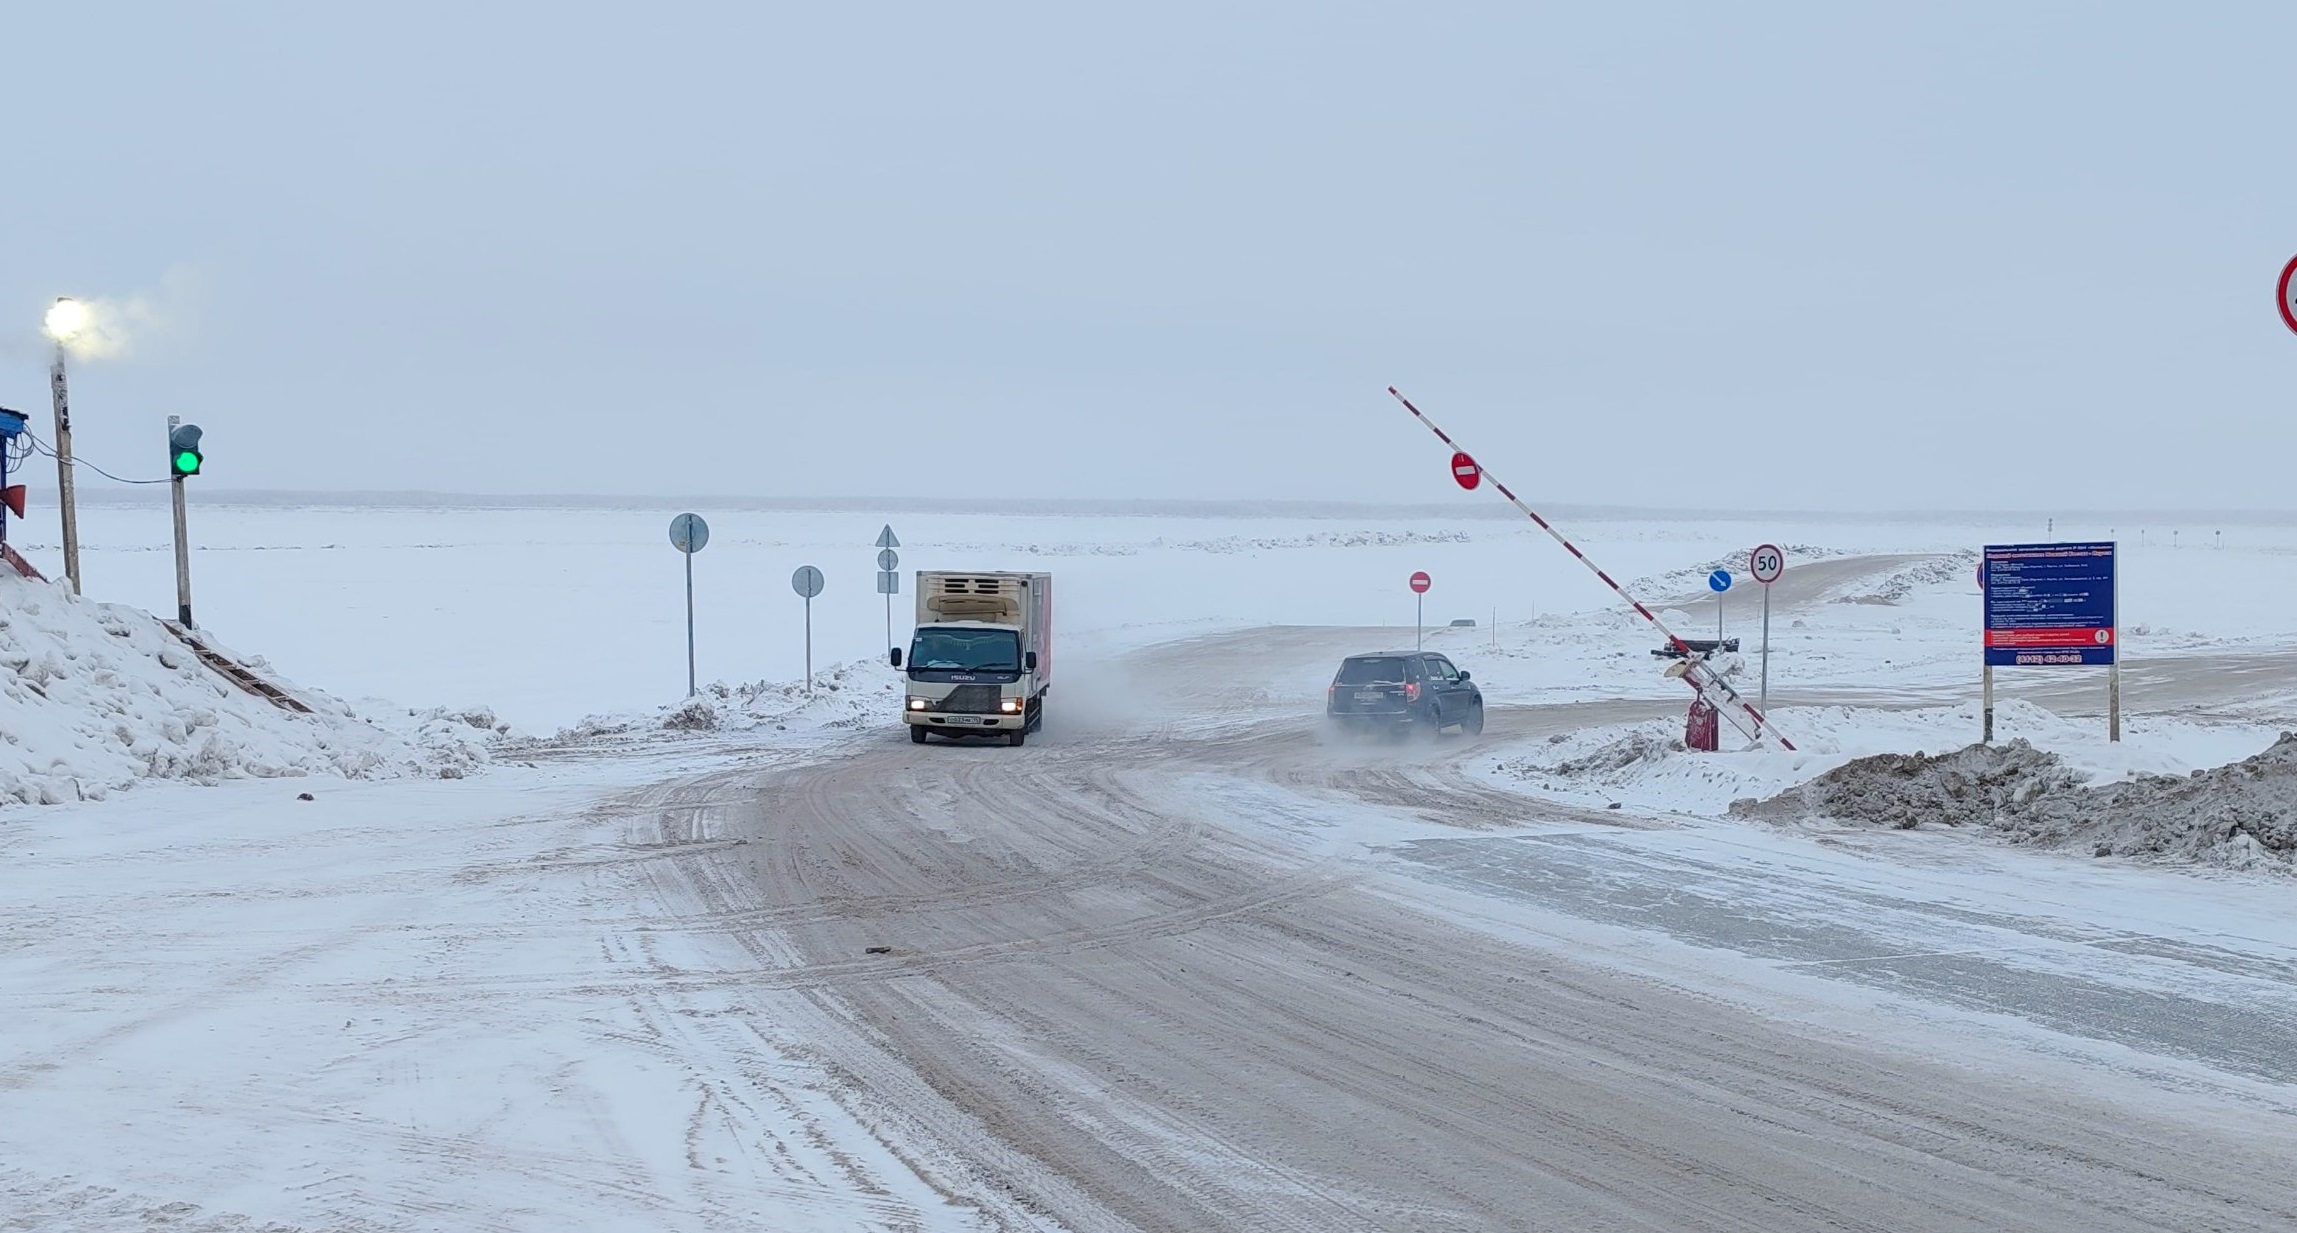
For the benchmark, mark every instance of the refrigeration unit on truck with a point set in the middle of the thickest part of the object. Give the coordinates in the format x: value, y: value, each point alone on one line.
x: 982, y: 658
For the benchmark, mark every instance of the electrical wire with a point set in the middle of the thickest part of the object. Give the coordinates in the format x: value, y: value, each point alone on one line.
x: 42, y: 447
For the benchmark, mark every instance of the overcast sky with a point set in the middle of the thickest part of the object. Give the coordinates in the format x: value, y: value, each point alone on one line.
x: 1853, y: 256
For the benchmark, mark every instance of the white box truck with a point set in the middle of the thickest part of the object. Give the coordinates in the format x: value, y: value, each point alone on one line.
x: 981, y: 660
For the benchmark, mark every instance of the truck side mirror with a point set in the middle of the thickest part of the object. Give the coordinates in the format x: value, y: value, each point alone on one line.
x: 1028, y: 661
x: 895, y: 655
x: 1465, y: 675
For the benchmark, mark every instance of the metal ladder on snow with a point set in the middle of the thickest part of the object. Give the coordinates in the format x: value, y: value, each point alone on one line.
x: 233, y: 671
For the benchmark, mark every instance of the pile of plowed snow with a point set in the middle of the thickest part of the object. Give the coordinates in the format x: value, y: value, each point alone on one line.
x: 2243, y: 815
x: 94, y: 697
x: 843, y: 698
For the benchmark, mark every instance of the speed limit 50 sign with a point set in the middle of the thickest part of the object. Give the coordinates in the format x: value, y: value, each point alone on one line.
x: 1767, y: 563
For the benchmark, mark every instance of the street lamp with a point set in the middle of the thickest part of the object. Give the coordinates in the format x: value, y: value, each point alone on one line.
x: 67, y: 319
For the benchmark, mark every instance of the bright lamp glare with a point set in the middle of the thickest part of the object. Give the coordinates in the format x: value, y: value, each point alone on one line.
x: 66, y: 318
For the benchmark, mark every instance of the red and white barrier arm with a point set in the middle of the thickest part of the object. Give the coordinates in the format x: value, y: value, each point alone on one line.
x: 1700, y: 681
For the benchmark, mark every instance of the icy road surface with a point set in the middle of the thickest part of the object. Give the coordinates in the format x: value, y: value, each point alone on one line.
x: 1180, y: 963
x: 1154, y: 984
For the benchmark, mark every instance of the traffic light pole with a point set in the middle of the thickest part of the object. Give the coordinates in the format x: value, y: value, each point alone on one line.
x: 65, y: 500
x: 182, y: 539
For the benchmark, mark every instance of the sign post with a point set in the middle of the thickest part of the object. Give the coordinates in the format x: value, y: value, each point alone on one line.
x: 807, y: 582
x: 888, y: 582
x: 1766, y: 563
x: 688, y: 533
x: 1719, y: 582
x: 1420, y: 584
x: 2052, y: 605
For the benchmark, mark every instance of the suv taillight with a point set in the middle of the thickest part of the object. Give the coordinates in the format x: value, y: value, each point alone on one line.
x: 1412, y: 691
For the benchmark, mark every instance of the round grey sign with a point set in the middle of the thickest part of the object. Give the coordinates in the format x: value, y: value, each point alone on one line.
x: 807, y: 581
x: 688, y: 533
x: 888, y: 559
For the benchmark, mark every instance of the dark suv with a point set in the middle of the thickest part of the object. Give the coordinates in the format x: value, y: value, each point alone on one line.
x: 1402, y: 691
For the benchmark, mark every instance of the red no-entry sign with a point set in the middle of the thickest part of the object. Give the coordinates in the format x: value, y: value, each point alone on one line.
x: 1466, y: 472
x: 2282, y: 295
x: 1421, y: 582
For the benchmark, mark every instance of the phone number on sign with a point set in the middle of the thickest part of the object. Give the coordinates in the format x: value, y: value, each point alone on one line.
x: 2059, y: 657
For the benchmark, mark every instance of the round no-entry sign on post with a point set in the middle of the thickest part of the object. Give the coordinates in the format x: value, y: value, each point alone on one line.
x: 1465, y: 471
x: 2288, y: 307
x: 1421, y: 582
x: 806, y: 581
x: 1766, y: 563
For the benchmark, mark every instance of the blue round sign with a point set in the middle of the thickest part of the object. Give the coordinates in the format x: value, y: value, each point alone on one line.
x: 1719, y: 581
x: 688, y: 533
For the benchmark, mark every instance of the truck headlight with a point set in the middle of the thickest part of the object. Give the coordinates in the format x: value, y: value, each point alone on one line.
x: 1011, y: 706
x: 917, y: 704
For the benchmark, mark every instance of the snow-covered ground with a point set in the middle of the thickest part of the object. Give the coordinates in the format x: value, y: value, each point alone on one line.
x: 549, y: 616
x: 407, y: 1006
x: 446, y: 1002
x: 99, y: 697
x: 1645, y: 767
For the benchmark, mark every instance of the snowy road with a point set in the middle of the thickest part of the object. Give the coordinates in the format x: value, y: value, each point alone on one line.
x: 1148, y: 984
x: 1180, y: 963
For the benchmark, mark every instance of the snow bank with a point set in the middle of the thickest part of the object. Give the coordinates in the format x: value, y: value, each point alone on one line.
x: 1691, y: 580
x: 94, y: 697
x: 1899, y: 585
x: 2243, y: 815
x: 1646, y: 766
x: 845, y: 697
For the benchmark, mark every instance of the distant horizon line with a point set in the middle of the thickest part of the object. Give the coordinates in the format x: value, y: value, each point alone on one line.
x: 1120, y: 506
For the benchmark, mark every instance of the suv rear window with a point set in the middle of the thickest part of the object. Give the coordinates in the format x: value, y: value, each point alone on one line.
x: 1371, y: 670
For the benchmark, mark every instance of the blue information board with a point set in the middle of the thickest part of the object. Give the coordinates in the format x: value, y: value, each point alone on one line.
x: 2049, y: 604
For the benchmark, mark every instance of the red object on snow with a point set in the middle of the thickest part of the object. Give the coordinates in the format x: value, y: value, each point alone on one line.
x: 20, y: 565
x: 1702, y: 729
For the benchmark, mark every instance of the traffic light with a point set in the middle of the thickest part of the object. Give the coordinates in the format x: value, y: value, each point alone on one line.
x: 183, y: 450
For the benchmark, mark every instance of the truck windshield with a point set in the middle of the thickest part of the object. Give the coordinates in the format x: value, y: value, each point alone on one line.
x: 966, y: 650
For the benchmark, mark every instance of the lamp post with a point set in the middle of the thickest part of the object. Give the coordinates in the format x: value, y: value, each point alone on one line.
x: 66, y: 319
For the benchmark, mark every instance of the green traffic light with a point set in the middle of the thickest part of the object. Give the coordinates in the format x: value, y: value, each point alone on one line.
x: 186, y: 462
